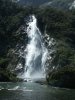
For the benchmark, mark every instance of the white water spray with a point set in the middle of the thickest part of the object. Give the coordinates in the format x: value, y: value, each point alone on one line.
x: 35, y: 52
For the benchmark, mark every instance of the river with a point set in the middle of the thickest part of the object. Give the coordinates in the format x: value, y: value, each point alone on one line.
x: 33, y: 91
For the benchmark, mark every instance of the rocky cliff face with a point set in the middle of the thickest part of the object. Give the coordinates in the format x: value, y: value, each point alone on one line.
x: 32, y: 2
x: 60, y: 4
x: 63, y: 4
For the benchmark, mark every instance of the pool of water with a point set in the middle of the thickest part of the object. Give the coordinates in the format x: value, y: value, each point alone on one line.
x: 33, y: 91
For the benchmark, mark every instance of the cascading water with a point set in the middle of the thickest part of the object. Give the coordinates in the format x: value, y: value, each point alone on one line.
x: 37, y: 56
x: 35, y: 52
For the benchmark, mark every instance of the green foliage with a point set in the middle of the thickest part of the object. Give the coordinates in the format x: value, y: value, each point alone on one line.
x: 3, y: 62
x: 61, y: 26
x: 63, y: 77
x: 58, y: 24
x: 6, y: 75
x: 11, y: 18
x: 64, y: 56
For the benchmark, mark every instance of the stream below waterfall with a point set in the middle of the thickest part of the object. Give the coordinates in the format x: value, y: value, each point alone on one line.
x: 33, y: 91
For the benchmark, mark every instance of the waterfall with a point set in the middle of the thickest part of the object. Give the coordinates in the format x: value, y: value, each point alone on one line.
x: 35, y: 52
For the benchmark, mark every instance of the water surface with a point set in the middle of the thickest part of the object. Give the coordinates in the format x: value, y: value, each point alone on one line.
x: 33, y: 91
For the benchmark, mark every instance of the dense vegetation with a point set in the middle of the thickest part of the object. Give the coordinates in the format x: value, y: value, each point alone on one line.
x: 59, y: 25
x: 11, y: 18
